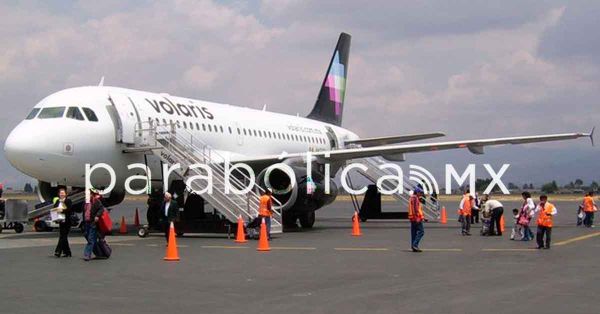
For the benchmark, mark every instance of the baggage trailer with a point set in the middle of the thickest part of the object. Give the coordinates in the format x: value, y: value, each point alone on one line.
x: 13, y: 214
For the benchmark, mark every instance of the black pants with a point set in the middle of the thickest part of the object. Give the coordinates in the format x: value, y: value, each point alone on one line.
x: 1, y: 192
x: 495, y: 221
x: 474, y: 216
x: 466, y: 224
x: 540, y: 236
x: 63, y: 239
x: 588, y: 221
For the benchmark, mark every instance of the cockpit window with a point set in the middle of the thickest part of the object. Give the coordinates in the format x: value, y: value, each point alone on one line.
x: 33, y: 113
x: 51, y: 112
x: 74, y: 113
x: 89, y: 113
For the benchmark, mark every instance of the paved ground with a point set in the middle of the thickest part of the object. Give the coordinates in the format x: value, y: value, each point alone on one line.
x: 318, y: 271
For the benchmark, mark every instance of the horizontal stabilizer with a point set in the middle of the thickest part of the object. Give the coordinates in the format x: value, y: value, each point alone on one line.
x: 387, y: 140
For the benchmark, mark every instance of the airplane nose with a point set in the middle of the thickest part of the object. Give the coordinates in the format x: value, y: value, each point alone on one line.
x: 16, y: 148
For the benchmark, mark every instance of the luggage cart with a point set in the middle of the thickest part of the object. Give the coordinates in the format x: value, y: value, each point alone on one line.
x: 13, y: 215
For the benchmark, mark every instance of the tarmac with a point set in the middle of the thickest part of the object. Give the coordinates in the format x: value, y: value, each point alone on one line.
x: 322, y: 270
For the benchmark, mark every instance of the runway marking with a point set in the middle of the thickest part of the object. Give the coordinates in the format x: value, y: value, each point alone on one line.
x: 293, y: 248
x: 581, y: 238
x: 361, y: 249
x: 223, y: 247
x: 152, y: 245
x: 442, y: 250
x: 121, y: 244
x: 510, y: 250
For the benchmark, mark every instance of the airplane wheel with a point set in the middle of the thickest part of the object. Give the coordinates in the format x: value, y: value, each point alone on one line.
x: 179, y: 234
x: 289, y: 221
x: 307, y: 220
x: 142, y: 232
x: 19, y: 227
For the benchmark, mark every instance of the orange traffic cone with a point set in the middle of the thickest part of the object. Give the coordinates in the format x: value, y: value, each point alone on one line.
x: 172, y: 254
x: 241, y: 235
x: 263, y: 241
x: 355, y: 226
x: 502, y: 223
x: 443, y: 218
x: 136, y: 220
x: 123, y: 229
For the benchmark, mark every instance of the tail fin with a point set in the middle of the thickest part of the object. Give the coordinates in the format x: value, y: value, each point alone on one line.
x: 330, y: 102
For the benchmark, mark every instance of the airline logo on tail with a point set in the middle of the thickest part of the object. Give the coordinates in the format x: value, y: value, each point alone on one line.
x: 336, y: 82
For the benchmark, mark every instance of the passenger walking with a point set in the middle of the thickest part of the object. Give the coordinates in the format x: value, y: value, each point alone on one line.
x: 525, y: 215
x: 92, y: 212
x: 416, y: 217
x: 465, y: 213
x: 497, y: 210
x: 588, y: 209
x: 546, y: 211
x: 517, y: 230
x: 1, y: 189
x: 168, y: 213
x: 476, y: 205
x: 63, y: 206
x: 265, y: 210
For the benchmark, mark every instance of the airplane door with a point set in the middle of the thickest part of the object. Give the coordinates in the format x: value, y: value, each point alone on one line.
x: 128, y: 117
x: 333, y: 142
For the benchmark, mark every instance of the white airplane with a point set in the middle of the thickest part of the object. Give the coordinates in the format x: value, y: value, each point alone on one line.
x: 96, y: 124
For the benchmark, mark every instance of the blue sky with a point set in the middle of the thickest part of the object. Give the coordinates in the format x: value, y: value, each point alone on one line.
x: 471, y: 69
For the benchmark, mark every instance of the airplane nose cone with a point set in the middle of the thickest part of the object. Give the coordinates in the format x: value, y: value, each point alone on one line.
x: 16, y: 148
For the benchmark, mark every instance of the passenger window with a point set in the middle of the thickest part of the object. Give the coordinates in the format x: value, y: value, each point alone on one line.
x: 90, y: 114
x: 203, y: 127
x: 209, y: 128
x: 52, y: 113
x: 184, y: 124
x: 33, y: 113
x: 221, y: 128
x: 74, y: 113
x: 230, y: 130
x: 245, y: 132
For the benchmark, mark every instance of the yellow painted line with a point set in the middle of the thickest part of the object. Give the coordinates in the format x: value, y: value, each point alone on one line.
x: 293, y: 248
x: 361, y: 249
x: 442, y: 250
x: 223, y: 247
x: 581, y: 238
x: 509, y: 250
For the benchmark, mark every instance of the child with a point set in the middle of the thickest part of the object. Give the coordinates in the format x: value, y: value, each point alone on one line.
x: 517, y: 230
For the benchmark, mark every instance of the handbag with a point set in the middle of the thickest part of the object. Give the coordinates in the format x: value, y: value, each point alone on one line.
x: 105, y: 224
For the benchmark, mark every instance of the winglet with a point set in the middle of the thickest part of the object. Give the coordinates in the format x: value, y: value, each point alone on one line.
x: 592, y: 135
x: 101, y: 82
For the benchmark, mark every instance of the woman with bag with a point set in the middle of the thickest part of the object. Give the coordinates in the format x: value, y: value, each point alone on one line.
x: 525, y: 215
x: 92, y: 211
x: 63, y: 207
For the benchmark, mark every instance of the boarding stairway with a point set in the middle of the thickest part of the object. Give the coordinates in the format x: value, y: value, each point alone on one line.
x: 373, y: 173
x: 44, y: 210
x: 179, y: 146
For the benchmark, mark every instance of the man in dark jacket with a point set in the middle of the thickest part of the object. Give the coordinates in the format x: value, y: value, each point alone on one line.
x: 91, y: 215
x: 168, y: 213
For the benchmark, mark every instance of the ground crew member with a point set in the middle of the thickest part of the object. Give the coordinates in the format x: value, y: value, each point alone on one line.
x: 265, y: 210
x: 546, y: 211
x: 496, y: 209
x: 465, y: 213
x: 588, y: 209
x: 416, y: 217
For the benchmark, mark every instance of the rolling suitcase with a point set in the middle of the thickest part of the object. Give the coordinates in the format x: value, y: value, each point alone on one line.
x: 102, y: 249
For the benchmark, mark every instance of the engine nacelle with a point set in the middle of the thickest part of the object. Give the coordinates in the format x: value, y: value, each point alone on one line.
x: 296, y: 199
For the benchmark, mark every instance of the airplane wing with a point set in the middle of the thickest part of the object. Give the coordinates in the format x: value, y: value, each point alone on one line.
x: 387, y: 140
x: 475, y: 146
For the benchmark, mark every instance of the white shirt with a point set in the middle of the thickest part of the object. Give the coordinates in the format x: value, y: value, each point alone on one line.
x: 491, y: 205
x: 167, y: 205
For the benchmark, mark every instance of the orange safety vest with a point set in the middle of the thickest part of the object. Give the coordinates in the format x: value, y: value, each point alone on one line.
x: 265, y: 206
x: 415, y: 211
x: 545, y: 217
x: 588, y: 204
x: 466, y: 210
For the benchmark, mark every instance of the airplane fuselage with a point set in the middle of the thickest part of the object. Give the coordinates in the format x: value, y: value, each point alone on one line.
x: 55, y: 146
